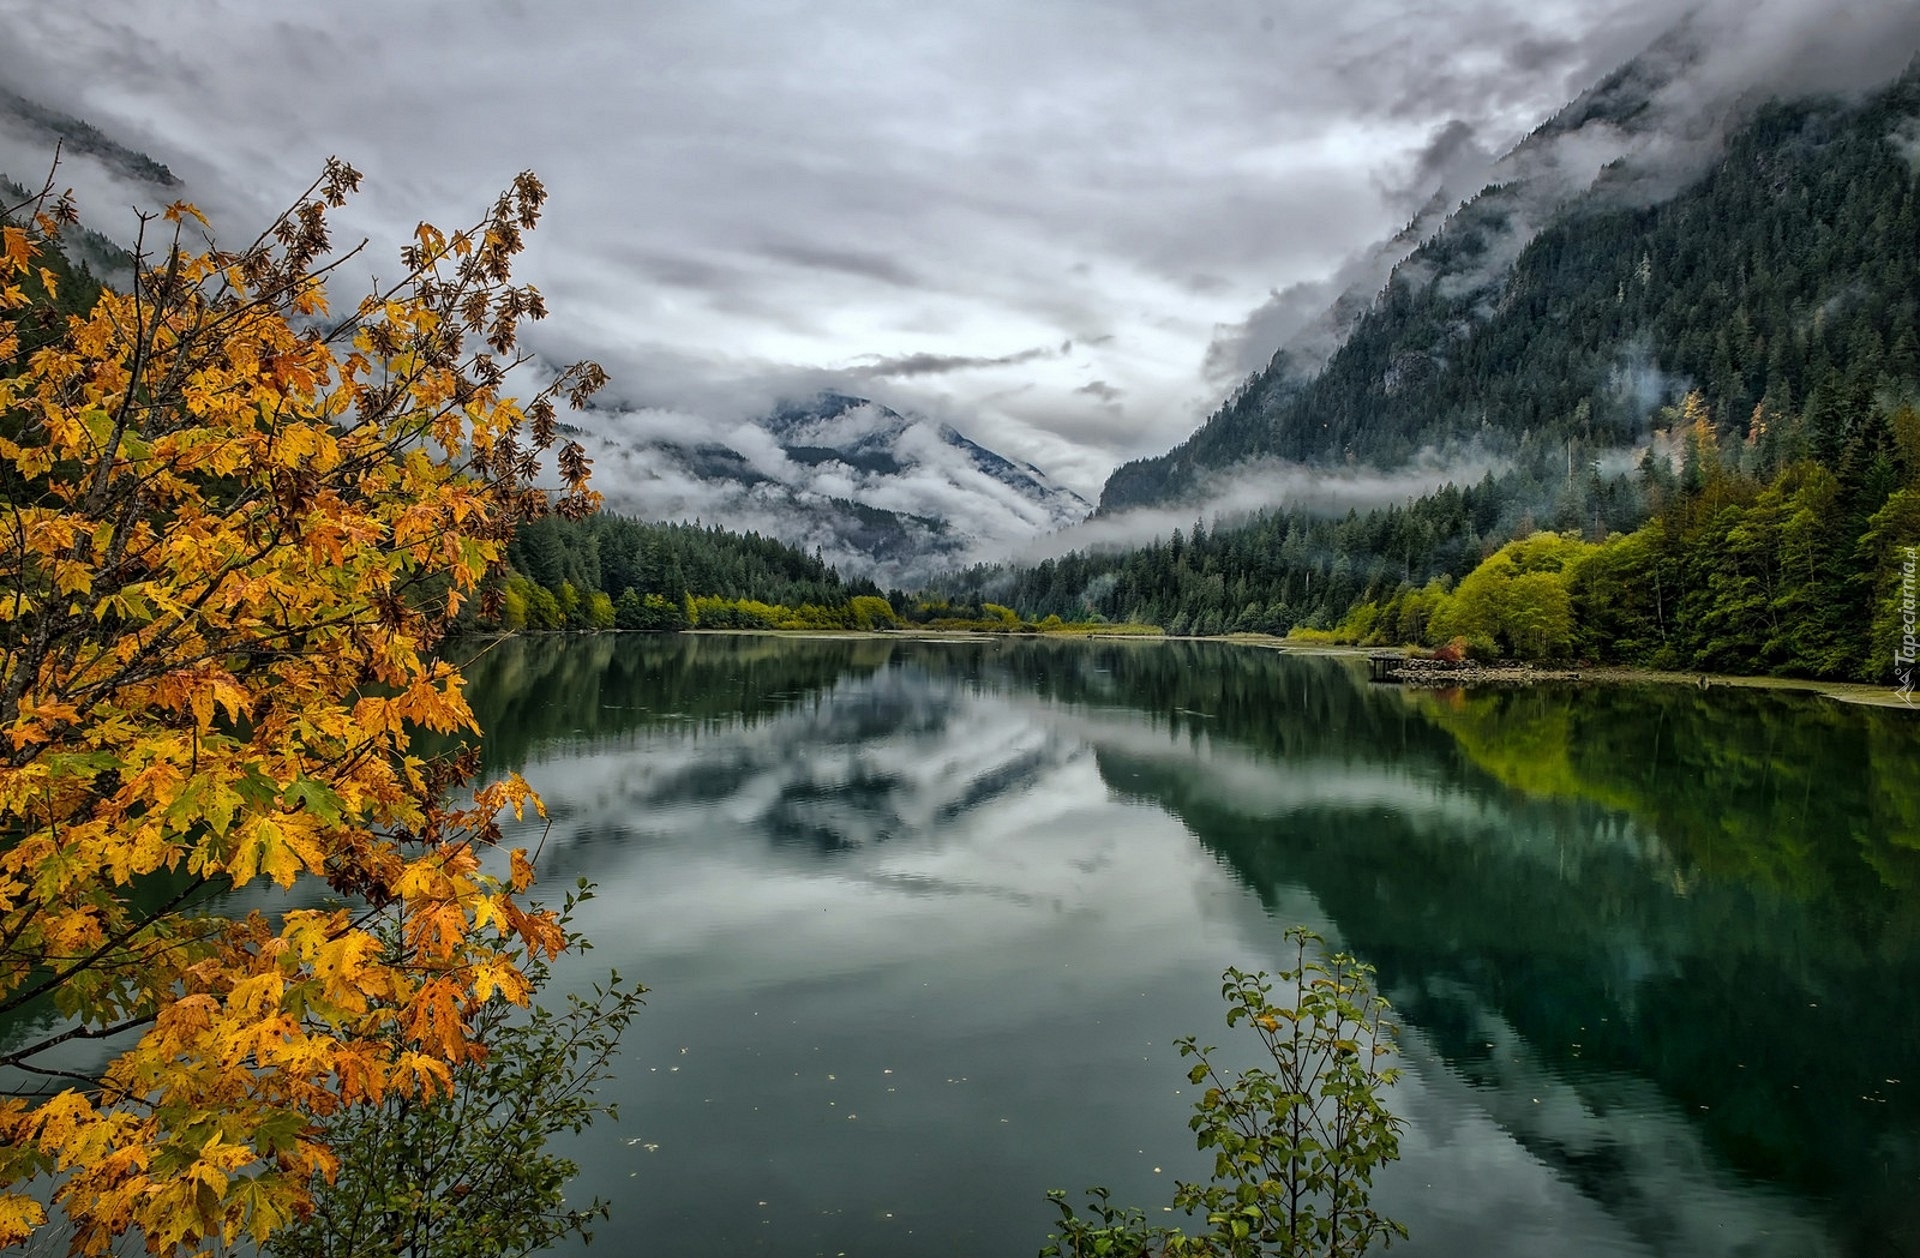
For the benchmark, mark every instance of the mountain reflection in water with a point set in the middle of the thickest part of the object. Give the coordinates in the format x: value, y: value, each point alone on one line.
x: 922, y: 920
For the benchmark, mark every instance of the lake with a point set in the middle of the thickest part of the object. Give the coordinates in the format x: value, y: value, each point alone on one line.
x: 922, y: 921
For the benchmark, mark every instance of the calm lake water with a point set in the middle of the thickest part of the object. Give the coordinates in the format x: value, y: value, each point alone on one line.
x: 922, y: 921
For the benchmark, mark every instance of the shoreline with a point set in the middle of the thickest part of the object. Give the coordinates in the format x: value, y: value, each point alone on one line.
x: 1863, y: 694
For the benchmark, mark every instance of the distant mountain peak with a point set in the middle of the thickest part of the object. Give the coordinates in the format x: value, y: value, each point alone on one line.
x: 879, y: 493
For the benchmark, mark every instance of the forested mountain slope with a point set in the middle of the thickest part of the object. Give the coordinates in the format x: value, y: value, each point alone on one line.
x: 1788, y: 272
x: 1710, y: 400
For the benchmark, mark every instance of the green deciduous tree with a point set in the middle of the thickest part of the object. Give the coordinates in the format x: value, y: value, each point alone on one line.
x: 870, y: 612
x: 468, y: 1174
x: 1517, y: 600
x: 1295, y: 1146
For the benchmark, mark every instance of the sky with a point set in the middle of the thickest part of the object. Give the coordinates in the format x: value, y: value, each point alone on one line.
x: 1068, y: 228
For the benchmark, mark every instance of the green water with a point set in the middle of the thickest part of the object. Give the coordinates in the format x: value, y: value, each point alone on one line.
x: 922, y: 920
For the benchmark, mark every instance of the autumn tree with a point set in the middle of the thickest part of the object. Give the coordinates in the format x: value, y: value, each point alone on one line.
x: 236, y: 898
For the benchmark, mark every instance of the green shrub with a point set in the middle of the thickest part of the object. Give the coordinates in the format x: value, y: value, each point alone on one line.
x: 1295, y: 1147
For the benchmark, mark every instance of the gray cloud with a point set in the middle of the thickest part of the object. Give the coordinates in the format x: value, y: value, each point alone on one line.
x: 872, y: 266
x: 1533, y: 55
x: 1452, y: 165
x: 746, y: 200
x: 940, y: 364
x: 682, y: 270
x: 1906, y: 138
x: 1265, y: 484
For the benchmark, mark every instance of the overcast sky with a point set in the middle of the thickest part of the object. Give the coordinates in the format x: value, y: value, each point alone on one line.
x: 1033, y: 218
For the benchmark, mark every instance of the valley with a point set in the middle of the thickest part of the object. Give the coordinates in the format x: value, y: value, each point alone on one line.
x: 1092, y: 630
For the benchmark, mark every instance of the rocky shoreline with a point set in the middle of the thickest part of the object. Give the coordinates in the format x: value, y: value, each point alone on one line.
x: 1415, y: 670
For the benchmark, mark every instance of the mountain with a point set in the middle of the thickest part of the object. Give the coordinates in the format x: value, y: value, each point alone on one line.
x: 81, y: 247
x: 1524, y: 188
x: 1556, y: 300
x: 1698, y: 398
x: 37, y: 132
x: 876, y: 492
x: 76, y: 137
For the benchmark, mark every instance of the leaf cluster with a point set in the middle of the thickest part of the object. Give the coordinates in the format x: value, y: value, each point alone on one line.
x: 233, y: 525
x: 468, y: 1174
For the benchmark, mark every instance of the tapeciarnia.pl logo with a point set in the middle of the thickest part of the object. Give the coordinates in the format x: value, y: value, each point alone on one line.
x: 1909, y: 648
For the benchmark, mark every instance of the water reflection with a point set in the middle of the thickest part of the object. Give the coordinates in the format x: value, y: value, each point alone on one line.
x: 1649, y: 944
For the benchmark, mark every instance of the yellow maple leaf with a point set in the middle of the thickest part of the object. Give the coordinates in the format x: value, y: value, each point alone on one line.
x: 16, y: 247
x: 19, y: 1216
